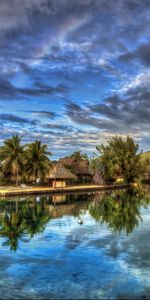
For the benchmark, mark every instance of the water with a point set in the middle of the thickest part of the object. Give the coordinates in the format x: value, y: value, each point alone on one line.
x: 89, y: 246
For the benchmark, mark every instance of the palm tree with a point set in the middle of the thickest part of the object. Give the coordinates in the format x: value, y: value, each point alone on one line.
x: 37, y: 161
x: 12, y: 157
x: 79, y: 156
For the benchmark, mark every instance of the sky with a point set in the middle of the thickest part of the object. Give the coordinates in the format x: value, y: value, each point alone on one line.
x: 75, y: 73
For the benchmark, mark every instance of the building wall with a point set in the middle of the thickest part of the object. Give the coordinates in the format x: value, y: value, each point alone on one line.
x: 59, y: 184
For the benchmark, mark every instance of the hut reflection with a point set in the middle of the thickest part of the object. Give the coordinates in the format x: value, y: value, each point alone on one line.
x: 22, y: 218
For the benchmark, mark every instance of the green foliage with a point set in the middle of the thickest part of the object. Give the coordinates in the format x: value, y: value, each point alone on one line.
x: 12, y: 157
x: 79, y: 156
x: 145, y: 161
x: 5, y: 181
x: 127, y: 158
x: 119, y: 157
x: 19, y: 162
x: 37, y: 161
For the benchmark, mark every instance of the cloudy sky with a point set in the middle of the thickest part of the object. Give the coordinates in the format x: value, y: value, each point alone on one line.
x: 74, y: 73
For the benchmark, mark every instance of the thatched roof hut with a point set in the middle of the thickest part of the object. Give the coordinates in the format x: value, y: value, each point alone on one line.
x: 79, y: 167
x: 60, y: 174
x: 59, y: 171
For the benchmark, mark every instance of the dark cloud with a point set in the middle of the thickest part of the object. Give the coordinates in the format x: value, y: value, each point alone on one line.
x: 141, y: 54
x: 43, y: 90
x: 127, y: 112
x: 57, y: 50
x: 54, y: 126
x: 9, y: 91
x: 83, y: 116
x: 44, y: 114
x: 35, y: 24
x: 16, y: 119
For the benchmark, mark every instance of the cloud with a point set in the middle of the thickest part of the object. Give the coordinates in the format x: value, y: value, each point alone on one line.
x: 125, y: 112
x: 44, y: 114
x: 15, y: 119
x: 10, y: 91
x: 56, y: 126
x: 68, y: 32
x: 82, y: 64
x: 141, y: 54
x: 83, y: 116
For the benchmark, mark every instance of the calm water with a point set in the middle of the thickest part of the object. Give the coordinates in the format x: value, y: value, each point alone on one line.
x: 90, y: 246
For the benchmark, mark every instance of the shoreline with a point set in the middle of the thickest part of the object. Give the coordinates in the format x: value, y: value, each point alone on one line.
x: 19, y: 191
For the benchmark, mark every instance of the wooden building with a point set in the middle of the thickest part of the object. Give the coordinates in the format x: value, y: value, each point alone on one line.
x: 60, y: 175
x: 79, y: 167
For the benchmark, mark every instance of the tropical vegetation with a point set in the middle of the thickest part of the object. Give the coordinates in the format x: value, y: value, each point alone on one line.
x: 12, y: 157
x: 23, y: 161
x: 119, y: 158
x: 37, y: 160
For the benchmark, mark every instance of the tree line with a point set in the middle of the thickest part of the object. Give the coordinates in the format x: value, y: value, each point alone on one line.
x: 24, y: 160
x: 118, y: 158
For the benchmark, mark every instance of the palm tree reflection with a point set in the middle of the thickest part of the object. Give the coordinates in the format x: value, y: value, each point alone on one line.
x: 22, y: 221
x: 12, y: 228
x: 35, y: 217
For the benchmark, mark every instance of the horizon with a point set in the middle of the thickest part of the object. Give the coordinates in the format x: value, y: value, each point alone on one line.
x: 75, y: 74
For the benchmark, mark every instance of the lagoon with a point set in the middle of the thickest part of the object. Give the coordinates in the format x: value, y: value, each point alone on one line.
x: 79, y: 246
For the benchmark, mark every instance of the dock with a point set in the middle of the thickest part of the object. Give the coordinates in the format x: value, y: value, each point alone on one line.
x: 19, y: 191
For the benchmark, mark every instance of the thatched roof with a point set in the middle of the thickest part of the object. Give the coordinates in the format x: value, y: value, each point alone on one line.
x: 80, y: 167
x: 58, y: 171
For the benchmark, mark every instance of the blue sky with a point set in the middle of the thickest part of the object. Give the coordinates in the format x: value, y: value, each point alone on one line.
x: 75, y: 73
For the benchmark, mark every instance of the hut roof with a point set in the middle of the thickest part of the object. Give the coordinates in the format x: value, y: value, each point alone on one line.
x: 80, y: 167
x: 58, y: 171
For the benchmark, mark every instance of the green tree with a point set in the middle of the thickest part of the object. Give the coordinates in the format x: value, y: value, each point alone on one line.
x: 104, y: 167
x: 79, y: 156
x: 127, y: 157
x: 12, y: 157
x: 37, y: 160
x: 120, y: 157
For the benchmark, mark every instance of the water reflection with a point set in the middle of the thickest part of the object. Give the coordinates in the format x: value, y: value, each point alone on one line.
x: 120, y: 210
x: 12, y: 227
x: 21, y: 219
